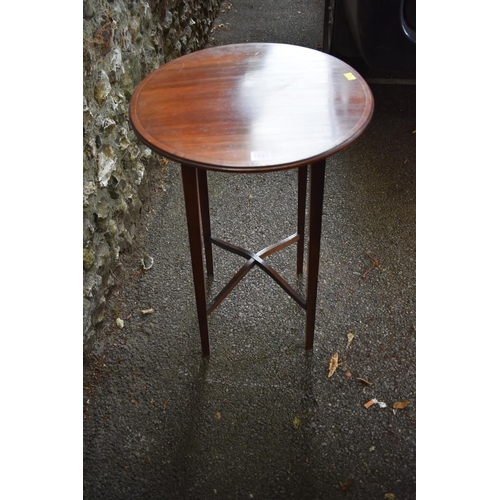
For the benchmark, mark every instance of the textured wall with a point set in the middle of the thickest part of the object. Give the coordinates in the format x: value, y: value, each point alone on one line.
x: 123, y: 41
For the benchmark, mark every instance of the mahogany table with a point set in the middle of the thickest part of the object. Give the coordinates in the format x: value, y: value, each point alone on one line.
x: 248, y: 108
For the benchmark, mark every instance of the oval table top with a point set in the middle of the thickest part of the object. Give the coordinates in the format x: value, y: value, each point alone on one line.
x: 252, y: 107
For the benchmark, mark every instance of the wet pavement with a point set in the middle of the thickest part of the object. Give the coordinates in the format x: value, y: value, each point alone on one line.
x: 261, y: 418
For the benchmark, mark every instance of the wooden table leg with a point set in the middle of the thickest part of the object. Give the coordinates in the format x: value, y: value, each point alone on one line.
x: 301, y: 217
x: 205, y: 219
x: 193, y: 214
x: 315, y: 213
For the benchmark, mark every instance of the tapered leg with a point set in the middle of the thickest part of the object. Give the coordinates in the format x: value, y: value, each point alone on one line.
x: 205, y: 218
x: 301, y: 217
x: 193, y: 215
x: 315, y: 213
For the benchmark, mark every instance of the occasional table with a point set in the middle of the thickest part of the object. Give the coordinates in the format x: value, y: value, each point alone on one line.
x: 251, y: 108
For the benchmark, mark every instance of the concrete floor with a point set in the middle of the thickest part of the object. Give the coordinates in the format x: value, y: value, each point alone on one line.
x: 260, y: 418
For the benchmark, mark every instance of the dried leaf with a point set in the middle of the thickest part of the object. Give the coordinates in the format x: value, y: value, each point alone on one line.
x: 400, y: 405
x: 364, y: 381
x: 373, y: 401
x: 390, y: 496
x: 296, y: 422
x: 166, y: 403
x: 350, y: 336
x: 334, y: 363
x: 134, y: 402
x: 348, y: 374
x: 218, y: 416
x: 344, y: 486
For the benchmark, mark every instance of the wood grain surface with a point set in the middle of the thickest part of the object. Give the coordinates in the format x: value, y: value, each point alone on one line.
x: 251, y: 107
